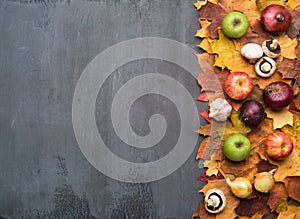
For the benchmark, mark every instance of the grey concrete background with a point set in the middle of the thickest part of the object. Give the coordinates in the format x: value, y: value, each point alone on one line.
x: 44, y: 47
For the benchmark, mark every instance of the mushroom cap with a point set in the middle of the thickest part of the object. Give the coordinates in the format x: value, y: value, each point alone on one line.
x: 272, y: 53
x: 252, y: 51
x: 269, y: 70
x: 215, y: 201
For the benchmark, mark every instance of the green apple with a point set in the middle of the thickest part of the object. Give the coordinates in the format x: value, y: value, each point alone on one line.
x: 235, y: 24
x: 237, y: 147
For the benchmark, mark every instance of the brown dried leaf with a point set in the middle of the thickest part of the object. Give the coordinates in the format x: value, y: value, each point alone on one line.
x: 277, y: 194
x: 211, y: 12
x: 214, y: 13
x: 256, y: 28
x: 298, y: 51
x: 272, y: 215
x: 290, y: 68
x: 205, y: 130
x: 214, y: 143
x: 256, y: 216
x: 201, y: 148
x: 209, y: 82
x: 292, y: 184
x: 297, y: 102
x: 246, y: 168
x: 202, y: 213
x: 294, y: 28
x: 259, y: 133
x: 249, y: 207
x: 265, y: 166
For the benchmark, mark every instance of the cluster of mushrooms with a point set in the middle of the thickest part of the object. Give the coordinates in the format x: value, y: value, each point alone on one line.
x: 263, y: 56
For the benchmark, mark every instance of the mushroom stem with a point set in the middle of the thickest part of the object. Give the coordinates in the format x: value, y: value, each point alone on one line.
x: 213, y: 201
x: 266, y: 67
x: 274, y: 44
x: 271, y: 48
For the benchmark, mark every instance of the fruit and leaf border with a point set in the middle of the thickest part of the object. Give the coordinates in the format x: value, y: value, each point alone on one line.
x: 222, y: 56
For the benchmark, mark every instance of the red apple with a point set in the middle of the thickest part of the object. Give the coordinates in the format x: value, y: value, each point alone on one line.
x: 278, y: 145
x: 238, y: 85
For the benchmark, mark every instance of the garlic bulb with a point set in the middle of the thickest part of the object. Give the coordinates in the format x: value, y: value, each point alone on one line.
x: 241, y: 187
x: 220, y: 109
x: 264, y: 181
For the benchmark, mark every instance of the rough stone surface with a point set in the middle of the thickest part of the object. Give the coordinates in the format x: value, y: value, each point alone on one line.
x: 45, y: 45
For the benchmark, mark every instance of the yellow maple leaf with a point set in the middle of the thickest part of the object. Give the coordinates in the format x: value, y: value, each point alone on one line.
x: 212, y: 167
x: 238, y: 127
x: 202, y: 33
x: 280, y: 117
x: 288, y: 167
x: 227, y: 56
x: 288, y: 46
x: 199, y: 4
x: 231, y: 201
x: 294, y: 132
x: 294, y: 4
x: 263, y: 82
x: 205, y: 45
x: 249, y: 8
x: 293, y: 212
x: 262, y: 4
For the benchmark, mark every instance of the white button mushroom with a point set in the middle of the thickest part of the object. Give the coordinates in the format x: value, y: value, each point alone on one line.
x: 215, y: 201
x: 265, y: 67
x: 271, y: 48
x: 252, y: 52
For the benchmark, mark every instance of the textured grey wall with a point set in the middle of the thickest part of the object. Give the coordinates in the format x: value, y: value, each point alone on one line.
x: 45, y: 45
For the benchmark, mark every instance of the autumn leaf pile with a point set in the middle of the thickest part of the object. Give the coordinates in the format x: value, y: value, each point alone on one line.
x: 221, y: 56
